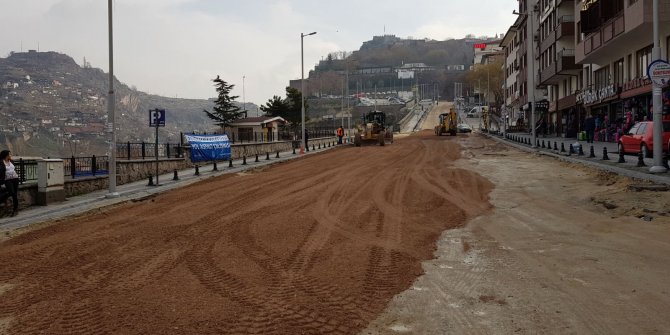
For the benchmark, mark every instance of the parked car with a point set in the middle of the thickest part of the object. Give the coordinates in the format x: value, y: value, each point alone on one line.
x: 640, y: 139
x: 463, y: 128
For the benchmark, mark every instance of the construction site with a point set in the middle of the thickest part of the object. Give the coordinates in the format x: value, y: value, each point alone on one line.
x: 425, y: 235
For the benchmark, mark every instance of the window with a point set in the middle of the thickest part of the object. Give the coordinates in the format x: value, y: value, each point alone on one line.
x: 602, y: 78
x: 246, y: 134
x: 643, y: 60
x: 618, y: 72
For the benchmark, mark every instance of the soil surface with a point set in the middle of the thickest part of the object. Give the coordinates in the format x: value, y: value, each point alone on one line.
x: 429, y: 235
x: 566, y: 250
x: 318, y: 245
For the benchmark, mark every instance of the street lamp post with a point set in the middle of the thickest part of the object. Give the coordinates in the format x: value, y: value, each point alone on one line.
x: 244, y: 100
x: 302, y: 93
x: 657, y: 103
x: 110, y: 108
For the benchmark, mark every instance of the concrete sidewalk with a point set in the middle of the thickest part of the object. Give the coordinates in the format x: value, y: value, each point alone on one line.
x: 137, y: 190
x: 628, y: 168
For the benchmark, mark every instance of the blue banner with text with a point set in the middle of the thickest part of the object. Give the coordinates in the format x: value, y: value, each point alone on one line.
x: 209, y: 147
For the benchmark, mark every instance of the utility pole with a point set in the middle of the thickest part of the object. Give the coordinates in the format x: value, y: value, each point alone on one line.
x: 657, y: 102
x: 530, y: 57
x: 110, y: 109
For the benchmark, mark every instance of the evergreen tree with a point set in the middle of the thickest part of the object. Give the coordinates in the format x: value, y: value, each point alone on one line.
x: 293, y: 97
x: 225, y: 111
x: 276, y: 107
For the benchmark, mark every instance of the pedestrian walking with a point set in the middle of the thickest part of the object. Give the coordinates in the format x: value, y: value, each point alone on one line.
x: 10, y: 179
x: 340, y: 134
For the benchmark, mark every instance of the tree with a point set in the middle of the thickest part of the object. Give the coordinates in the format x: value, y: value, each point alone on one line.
x: 289, y: 108
x: 491, y: 75
x: 293, y: 99
x: 225, y: 111
x: 276, y: 107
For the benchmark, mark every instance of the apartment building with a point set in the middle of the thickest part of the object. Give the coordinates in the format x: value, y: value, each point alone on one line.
x: 518, y: 64
x: 510, y: 45
x: 614, y: 44
x: 558, y: 72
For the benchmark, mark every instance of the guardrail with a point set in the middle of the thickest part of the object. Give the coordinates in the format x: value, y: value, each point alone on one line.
x: 26, y: 169
x: 85, y: 166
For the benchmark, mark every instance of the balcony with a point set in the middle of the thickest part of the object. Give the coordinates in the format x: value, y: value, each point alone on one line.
x: 604, y: 35
x: 565, y: 62
x: 565, y: 27
x: 563, y: 68
x: 570, y: 3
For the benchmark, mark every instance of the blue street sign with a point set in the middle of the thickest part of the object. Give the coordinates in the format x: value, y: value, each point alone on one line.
x: 157, y: 118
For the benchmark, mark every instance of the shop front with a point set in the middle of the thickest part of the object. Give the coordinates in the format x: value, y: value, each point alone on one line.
x: 605, y: 106
x: 568, y: 122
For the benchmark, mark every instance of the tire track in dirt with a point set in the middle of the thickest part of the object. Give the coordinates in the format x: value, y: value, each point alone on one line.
x: 315, y: 245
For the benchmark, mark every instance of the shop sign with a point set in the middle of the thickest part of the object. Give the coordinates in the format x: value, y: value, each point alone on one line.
x: 659, y: 72
x: 636, y: 83
x: 594, y: 96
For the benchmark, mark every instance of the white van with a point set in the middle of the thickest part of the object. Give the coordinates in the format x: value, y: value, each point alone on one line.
x: 474, y: 112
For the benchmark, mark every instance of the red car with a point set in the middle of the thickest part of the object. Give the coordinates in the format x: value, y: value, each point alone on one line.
x: 640, y: 139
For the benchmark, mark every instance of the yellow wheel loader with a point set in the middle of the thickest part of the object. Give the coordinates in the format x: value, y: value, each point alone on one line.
x: 448, y: 123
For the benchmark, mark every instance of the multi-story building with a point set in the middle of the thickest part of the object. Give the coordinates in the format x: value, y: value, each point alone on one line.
x: 510, y: 44
x: 517, y: 66
x: 557, y: 69
x: 614, y: 43
x: 592, y: 58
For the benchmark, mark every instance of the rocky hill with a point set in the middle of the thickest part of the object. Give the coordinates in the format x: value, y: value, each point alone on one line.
x: 51, y: 106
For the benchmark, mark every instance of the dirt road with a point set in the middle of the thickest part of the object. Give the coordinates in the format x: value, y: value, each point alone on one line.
x: 319, y: 245
x: 369, y: 240
x: 566, y: 250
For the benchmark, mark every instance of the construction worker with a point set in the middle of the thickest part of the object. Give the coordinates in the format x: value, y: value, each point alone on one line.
x: 340, y: 134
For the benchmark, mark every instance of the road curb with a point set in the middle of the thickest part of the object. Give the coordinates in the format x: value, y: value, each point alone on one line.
x: 659, y: 179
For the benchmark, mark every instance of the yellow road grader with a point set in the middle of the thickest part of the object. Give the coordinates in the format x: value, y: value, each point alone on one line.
x: 373, y: 130
x: 448, y: 123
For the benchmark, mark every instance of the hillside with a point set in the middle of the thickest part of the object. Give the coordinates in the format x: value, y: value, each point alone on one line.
x: 51, y: 106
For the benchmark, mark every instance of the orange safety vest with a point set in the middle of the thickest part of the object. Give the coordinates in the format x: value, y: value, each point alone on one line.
x: 340, y: 132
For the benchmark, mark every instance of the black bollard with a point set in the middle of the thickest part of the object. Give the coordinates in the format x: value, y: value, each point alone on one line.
x: 665, y: 160
x: 294, y: 150
x: 581, y: 150
x: 621, y: 158
x: 267, y: 156
x: 197, y: 170
x: 537, y: 144
x: 313, y: 147
x: 542, y: 144
x: 151, y: 180
x: 319, y: 145
x: 244, y: 160
x: 230, y: 162
x: 176, y: 177
x: 215, y: 168
x: 592, y: 154
x: 277, y: 156
x: 555, y: 146
x: 605, y: 157
x: 562, y: 147
x: 258, y: 160
x: 571, y: 150
x: 640, y: 160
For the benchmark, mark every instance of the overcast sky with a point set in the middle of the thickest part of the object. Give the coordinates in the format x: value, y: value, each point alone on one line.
x: 175, y: 47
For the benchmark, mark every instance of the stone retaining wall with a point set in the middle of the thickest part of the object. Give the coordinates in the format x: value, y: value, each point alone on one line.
x: 129, y: 171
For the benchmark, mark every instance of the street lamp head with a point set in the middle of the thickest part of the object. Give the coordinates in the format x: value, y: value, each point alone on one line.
x: 312, y: 33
